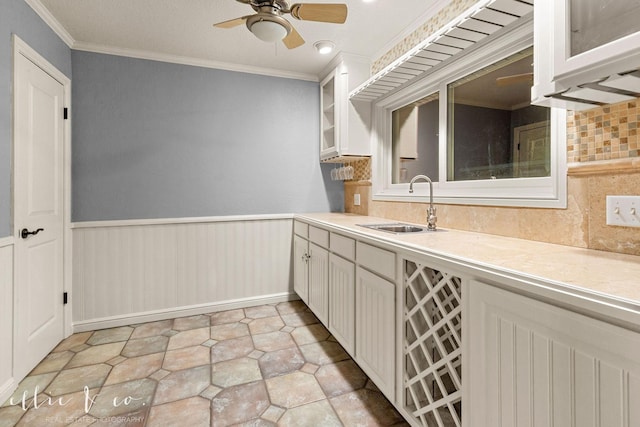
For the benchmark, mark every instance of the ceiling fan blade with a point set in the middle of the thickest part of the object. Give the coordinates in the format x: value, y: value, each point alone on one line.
x: 293, y: 39
x: 320, y: 12
x: 231, y: 23
x: 514, y: 79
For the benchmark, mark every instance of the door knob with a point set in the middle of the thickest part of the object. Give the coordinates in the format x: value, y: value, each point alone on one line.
x: 24, y: 233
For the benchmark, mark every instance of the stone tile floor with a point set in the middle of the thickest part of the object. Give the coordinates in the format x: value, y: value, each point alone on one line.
x: 258, y: 366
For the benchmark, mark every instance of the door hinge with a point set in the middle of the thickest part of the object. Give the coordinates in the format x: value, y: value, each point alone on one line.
x: 65, y: 113
x: 65, y: 297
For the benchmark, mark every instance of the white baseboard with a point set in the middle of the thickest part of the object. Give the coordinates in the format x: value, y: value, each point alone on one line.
x: 7, y: 389
x: 152, y: 316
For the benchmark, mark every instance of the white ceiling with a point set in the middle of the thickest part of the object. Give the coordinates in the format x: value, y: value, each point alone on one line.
x: 182, y: 31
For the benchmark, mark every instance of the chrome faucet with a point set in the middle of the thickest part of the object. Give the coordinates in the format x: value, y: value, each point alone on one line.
x: 431, y: 214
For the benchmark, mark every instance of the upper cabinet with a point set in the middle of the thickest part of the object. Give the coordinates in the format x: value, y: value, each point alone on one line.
x: 344, y: 133
x: 587, y: 53
x: 328, y: 133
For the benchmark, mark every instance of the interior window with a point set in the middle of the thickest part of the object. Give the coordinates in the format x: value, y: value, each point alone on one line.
x: 493, y: 132
x: 415, y: 139
x: 471, y: 128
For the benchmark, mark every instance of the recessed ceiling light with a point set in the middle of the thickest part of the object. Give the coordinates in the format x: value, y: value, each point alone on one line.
x: 324, y: 47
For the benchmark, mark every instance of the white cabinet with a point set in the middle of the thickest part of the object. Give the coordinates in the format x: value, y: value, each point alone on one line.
x: 342, y: 301
x: 376, y: 315
x: 301, y: 268
x: 344, y: 124
x: 319, y: 282
x: 375, y: 329
x: 328, y: 137
x: 350, y: 287
x: 579, y: 42
x: 447, y: 349
x: 534, y: 364
x: 311, y: 268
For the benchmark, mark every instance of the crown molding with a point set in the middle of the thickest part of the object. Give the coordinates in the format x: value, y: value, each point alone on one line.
x: 51, y: 21
x: 66, y: 37
x: 196, y: 62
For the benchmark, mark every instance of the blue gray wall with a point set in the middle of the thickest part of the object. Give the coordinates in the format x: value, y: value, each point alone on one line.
x: 160, y: 140
x: 17, y: 17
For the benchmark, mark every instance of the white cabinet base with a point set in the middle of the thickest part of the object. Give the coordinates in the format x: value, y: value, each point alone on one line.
x: 319, y: 282
x: 534, y: 364
x: 301, y: 268
x: 342, y: 301
x: 375, y: 329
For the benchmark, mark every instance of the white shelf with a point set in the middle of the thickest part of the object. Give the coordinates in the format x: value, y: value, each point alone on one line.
x: 474, y: 25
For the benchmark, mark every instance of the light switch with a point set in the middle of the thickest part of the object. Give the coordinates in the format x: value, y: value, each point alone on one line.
x: 623, y: 211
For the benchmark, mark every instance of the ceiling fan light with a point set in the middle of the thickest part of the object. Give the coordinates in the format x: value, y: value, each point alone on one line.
x: 324, y: 47
x: 268, y: 31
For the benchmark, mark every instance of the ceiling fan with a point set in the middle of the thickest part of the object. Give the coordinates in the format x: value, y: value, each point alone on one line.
x: 268, y: 24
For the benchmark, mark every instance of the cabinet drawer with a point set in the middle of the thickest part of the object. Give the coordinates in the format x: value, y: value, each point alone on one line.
x: 343, y: 246
x: 301, y: 229
x: 377, y: 260
x: 319, y: 236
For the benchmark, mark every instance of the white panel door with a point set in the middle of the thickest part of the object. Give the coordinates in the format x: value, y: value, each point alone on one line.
x: 375, y: 329
x: 301, y: 268
x: 536, y: 365
x: 319, y: 282
x: 38, y: 207
x: 342, y: 301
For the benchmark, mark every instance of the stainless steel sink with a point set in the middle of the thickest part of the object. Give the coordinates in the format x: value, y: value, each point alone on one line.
x: 396, y: 227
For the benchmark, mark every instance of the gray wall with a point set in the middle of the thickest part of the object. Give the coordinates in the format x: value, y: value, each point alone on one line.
x: 17, y: 17
x: 481, y: 138
x: 160, y: 140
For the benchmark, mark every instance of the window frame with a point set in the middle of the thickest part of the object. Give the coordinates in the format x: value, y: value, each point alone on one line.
x: 543, y: 192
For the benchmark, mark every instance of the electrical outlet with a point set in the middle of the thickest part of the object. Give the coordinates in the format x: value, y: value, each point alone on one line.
x: 623, y: 211
x: 356, y: 199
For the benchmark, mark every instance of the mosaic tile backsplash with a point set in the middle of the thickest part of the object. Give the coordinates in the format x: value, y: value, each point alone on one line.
x: 604, y: 133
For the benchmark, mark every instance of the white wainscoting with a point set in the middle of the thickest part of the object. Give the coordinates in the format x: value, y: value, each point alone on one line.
x: 7, y: 383
x: 130, y: 271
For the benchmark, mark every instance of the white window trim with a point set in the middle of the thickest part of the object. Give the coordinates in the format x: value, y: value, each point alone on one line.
x: 544, y: 192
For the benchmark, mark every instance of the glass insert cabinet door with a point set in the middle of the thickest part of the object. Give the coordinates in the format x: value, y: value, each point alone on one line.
x: 594, y: 23
x: 329, y: 115
x: 593, y: 34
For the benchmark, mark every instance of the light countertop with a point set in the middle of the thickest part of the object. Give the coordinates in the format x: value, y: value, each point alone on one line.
x: 598, y: 272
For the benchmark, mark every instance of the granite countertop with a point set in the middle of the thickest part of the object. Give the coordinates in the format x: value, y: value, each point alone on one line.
x: 598, y: 272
